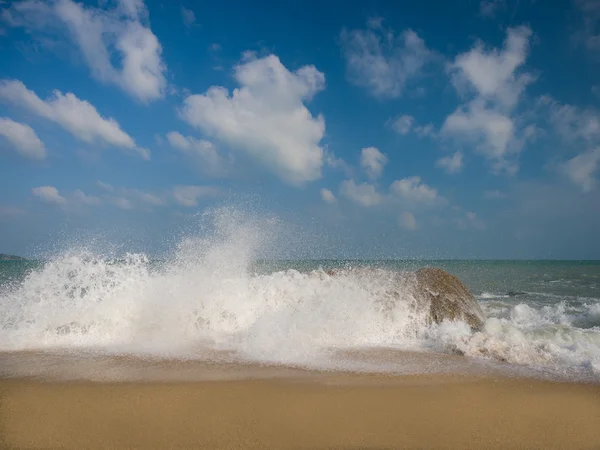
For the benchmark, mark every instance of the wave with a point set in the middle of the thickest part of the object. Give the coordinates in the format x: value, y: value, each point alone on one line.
x: 208, y: 300
x: 489, y: 295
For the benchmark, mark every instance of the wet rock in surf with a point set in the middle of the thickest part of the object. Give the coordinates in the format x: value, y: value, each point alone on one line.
x: 448, y: 297
x: 436, y: 293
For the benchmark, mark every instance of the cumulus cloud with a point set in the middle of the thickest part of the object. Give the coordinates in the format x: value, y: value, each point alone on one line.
x: 582, y: 168
x: 190, y: 195
x: 105, y: 186
x: 327, y: 196
x: 188, y: 17
x: 574, y: 125
x: 144, y: 197
x: 492, y: 73
x: 78, y: 117
x: 406, y: 123
x: 49, y: 194
x: 451, y: 164
x: 122, y: 203
x: 202, y: 151
x: 579, y: 130
x: 489, y: 8
x: 122, y: 198
x: 372, y: 162
x: 402, y: 124
x: 132, y: 198
x: 493, y: 81
x: 412, y: 189
x: 70, y: 202
x: 588, y: 33
x: 407, y: 221
x: 138, y: 199
x: 492, y: 134
x: 266, y: 117
x: 337, y: 163
x: 117, y: 44
x: 82, y: 198
x: 22, y: 139
x: 381, y: 62
x: 425, y: 130
x: 363, y: 194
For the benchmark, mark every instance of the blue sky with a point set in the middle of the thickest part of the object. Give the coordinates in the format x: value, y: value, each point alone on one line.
x: 466, y: 129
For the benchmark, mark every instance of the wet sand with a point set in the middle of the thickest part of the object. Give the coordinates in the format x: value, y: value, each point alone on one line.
x: 325, y: 411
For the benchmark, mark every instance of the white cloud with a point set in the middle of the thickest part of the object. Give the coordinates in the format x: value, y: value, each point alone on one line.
x: 328, y: 196
x: 122, y: 203
x: 188, y: 16
x: 211, y: 162
x: 407, y: 221
x: 492, y: 79
x: 425, y: 130
x: 579, y: 130
x: 81, y: 198
x: 78, y: 117
x: 105, y: 186
x: 266, y: 117
x: 124, y: 198
x: 144, y: 197
x: 413, y: 190
x: 588, y: 32
x: 131, y: 198
x: 571, y: 123
x: 71, y: 202
x: 190, y: 195
x: 117, y: 45
x: 23, y: 139
x: 338, y: 163
x: 492, y: 133
x: 381, y: 62
x: 362, y: 194
x: 49, y: 194
x: 493, y: 73
x: 402, y: 124
x: 582, y: 168
x: 451, y: 164
x: 372, y: 162
x: 489, y: 8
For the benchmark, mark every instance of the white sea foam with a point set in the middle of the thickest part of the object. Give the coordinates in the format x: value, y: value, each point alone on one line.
x: 489, y: 295
x: 206, y: 298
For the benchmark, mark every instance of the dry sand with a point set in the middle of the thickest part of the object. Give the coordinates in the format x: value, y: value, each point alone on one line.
x: 337, y: 411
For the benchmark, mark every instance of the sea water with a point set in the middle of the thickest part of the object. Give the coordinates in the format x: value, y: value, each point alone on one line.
x: 214, y: 299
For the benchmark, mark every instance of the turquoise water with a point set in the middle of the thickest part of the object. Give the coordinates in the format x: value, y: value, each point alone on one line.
x: 538, y: 282
x: 542, y: 315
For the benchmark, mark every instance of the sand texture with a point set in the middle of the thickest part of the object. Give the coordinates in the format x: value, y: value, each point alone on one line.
x: 337, y: 411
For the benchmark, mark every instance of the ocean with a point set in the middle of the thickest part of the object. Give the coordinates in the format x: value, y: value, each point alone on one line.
x: 543, y: 317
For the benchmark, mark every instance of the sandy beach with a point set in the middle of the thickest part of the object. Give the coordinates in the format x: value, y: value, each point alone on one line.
x: 333, y: 411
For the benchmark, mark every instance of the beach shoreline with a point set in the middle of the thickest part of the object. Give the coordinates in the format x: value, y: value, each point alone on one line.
x: 333, y: 410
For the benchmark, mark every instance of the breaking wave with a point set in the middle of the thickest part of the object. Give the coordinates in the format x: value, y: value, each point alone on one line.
x: 210, y: 299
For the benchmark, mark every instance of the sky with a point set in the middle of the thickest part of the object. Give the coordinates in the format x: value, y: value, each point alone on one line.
x: 391, y: 129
